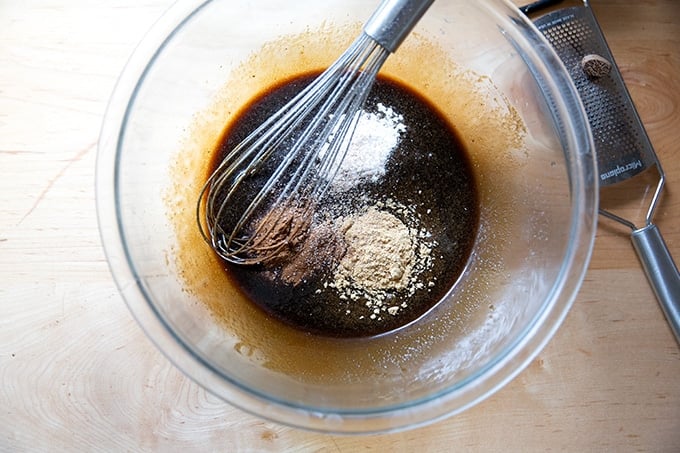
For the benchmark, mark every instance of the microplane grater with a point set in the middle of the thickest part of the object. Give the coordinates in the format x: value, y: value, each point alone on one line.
x: 623, y: 148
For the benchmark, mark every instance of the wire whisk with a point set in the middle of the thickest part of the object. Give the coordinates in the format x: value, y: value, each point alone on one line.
x: 290, y: 160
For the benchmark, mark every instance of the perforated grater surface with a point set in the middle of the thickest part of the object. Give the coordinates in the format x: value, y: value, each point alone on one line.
x: 622, y: 146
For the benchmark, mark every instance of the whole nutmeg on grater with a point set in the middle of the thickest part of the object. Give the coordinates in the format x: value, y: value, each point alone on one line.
x: 595, y: 66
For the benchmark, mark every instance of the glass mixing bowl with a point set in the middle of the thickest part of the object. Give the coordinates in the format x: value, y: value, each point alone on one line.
x: 488, y: 70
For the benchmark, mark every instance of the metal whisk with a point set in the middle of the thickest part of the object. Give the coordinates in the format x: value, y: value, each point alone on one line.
x: 290, y: 160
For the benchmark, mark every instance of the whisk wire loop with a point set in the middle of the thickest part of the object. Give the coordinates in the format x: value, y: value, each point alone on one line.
x: 290, y: 160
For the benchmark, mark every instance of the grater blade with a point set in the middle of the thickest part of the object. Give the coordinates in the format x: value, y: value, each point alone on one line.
x: 622, y: 146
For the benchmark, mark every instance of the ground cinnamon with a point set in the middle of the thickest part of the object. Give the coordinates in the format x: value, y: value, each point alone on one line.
x: 280, y: 232
x: 322, y: 248
x: 288, y: 239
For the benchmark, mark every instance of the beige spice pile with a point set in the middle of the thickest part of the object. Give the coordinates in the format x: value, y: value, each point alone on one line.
x: 384, y: 255
x: 380, y: 253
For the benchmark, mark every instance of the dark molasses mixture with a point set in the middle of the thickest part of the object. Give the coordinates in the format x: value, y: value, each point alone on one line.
x: 427, y: 186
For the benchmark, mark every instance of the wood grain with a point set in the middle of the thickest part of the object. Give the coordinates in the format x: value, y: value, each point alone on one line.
x: 77, y: 372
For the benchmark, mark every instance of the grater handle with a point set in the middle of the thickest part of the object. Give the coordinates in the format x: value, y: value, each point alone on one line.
x: 661, y: 272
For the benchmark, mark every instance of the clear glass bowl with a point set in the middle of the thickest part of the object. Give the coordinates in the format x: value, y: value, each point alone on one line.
x: 486, y: 68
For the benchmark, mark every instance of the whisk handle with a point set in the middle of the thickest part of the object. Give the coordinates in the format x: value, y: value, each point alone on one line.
x: 393, y: 20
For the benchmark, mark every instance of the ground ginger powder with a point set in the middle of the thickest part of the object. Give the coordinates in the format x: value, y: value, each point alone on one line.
x: 380, y: 253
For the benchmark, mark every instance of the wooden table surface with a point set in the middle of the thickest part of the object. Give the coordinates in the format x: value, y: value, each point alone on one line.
x: 77, y: 373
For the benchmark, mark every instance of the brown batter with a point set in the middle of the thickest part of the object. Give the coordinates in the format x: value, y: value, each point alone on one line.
x: 429, y: 172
